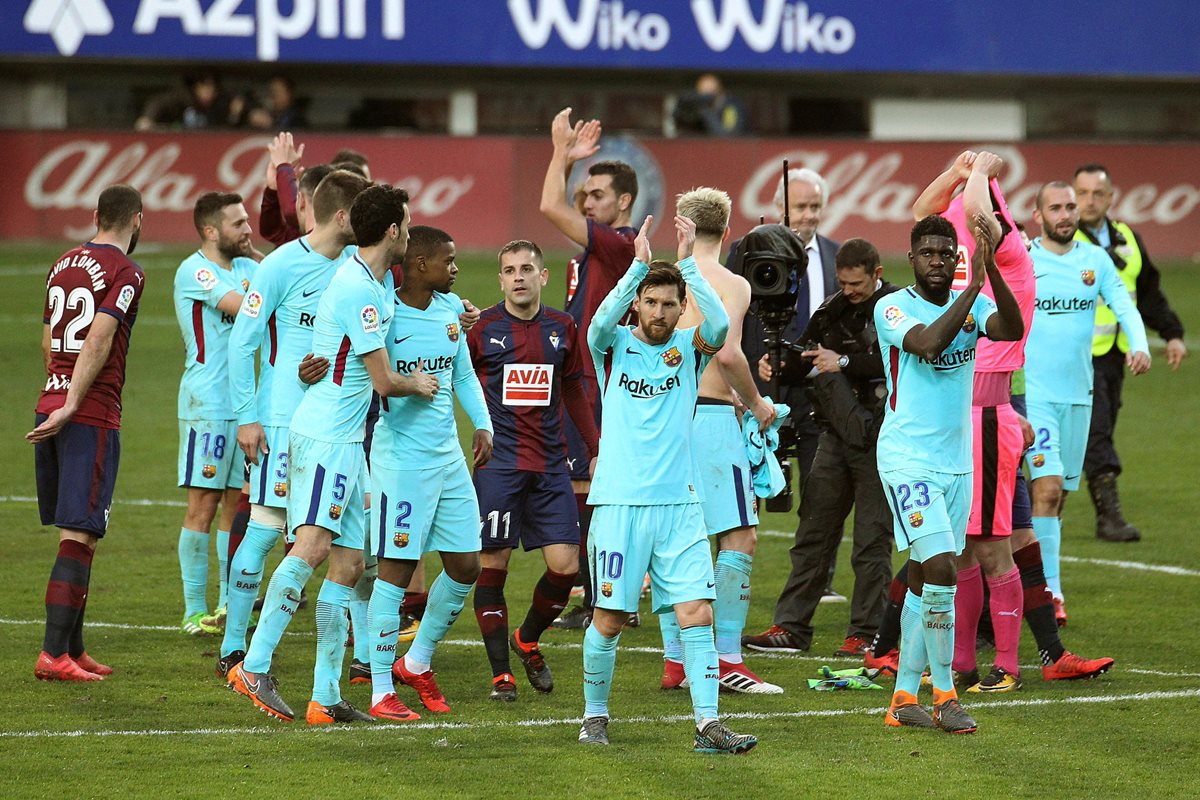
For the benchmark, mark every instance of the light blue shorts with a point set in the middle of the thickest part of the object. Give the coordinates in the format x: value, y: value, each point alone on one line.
x: 328, y: 481
x: 1060, y: 436
x: 670, y: 542
x: 928, y: 504
x: 208, y: 451
x: 722, y: 469
x: 415, y: 511
x: 269, y: 477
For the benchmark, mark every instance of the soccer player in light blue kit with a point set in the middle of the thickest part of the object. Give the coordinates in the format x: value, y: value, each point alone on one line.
x: 648, y: 516
x: 278, y: 314
x: 927, y: 336
x: 327, y: 464
x: 422, y: 495
x: 209, y: 285
x: 1070, y: 276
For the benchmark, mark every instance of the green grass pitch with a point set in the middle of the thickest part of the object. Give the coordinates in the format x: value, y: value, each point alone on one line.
x: 163, y: 725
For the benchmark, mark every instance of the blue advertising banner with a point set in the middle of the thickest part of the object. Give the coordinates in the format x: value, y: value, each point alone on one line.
x: 1107, y: 37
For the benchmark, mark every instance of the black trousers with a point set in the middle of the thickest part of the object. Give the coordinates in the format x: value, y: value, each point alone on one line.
x: 842, y: 477
x: 1108, y: 381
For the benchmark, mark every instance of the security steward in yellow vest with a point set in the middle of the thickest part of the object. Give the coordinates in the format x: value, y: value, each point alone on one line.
x: 1094, y: 193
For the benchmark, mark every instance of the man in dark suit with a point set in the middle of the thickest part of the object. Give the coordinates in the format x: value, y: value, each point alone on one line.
x: 807, y: 195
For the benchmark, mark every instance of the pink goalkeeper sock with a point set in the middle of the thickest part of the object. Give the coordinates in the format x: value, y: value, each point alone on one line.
x: 968, y: 605
x: 1008, y: 606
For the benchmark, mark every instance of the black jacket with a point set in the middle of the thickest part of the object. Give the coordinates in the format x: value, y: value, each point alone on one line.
x: 1151, y: 302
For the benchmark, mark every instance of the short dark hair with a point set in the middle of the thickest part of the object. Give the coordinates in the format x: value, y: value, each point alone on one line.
x: 516, y: 245
x: 423, y: 240
x: 663, y: 273
x: 624, y: 179
x: 209, y: 207
x: 350, y: 166
x: 1051, y: 185
x: 857, y: 253
x: 346, y: 154
x: 1092, y: 167
x: 375, y: 210
x: 312, y: 177
x: 933, y: 225
x: 336, y: 192
x: 117, y: 206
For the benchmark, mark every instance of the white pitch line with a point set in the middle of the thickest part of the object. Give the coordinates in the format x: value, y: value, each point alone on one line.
x: 548, y: 722
x: 19, y: 498
x: 1137, y: 565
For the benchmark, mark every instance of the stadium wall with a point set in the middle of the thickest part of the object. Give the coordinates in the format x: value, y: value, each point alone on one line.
x: 485, y: 190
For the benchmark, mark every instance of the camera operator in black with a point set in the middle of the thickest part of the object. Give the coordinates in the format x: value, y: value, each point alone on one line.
x: 841, y: 366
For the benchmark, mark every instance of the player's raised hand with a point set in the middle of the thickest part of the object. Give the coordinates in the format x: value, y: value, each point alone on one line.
x: 962, y: 164
x: 983, y: 258
x: 470, y: 316
x: 641, y: 244
x: 685, y: 237
x: 587, y: 140
x: 253, y: 440
x: 562, y: 134
x: 1138, y: 362
x: 989, y: 164
x: 421, y: 383
x: 481, y: 446
x: 312, y: 369
x: 51, y: 425
x: 283, y: 150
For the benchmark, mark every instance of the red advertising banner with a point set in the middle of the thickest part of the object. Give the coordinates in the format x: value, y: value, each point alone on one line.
x: 485, y: 190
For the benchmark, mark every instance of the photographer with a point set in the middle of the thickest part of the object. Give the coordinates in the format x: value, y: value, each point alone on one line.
x: 838, y: 359
x: 709, y: 110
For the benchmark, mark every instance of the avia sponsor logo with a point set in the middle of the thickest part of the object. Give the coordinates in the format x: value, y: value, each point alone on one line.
x: 613, y: 25
x: 428, y: 364
x: 1065, y: 305
x: 643, y: 389
x: 952, y: 359
x: 527, y: 384
x: 72, y: 175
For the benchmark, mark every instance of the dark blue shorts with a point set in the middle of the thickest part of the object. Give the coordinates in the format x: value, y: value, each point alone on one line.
x: 1022, y: 508
x: 577, y: 452
x: 76, y: 472
x: 533, y: 509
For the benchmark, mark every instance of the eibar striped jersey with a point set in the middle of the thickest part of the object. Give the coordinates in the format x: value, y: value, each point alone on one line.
x: 532, y: 372
x: 927, y: 417
x: 200, y: 284
x: 353, y: 318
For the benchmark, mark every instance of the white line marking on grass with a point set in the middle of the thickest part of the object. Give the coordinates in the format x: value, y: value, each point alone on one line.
x: 1106, y: 562
x: 548, y: 722
x: 16, y: 498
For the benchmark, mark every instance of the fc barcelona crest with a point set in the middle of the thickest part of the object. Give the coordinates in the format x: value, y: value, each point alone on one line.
x: 335, y: 511
x: 400, y: 539
x: 969, y: 324
x: 915, y: 520
x: 209, y: 471
x: 1089, y: 277
x: 281, y: 489
x: 1039, y: 460
x: 606, y: 589
x: 673, y: 358
x: 452, y: 331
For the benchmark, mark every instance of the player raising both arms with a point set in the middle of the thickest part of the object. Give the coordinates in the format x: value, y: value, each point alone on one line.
x: 92, y: 295
x: 209, y: 286
x: 927, y: 336
x: 718, y: 448
x: 599, y: 222
x: 529, y: 359
x: 648, y: 515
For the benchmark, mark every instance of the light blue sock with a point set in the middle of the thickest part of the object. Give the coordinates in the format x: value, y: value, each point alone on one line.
x: 732, y: 576
x: 912, y: 646
x: 599, y: 660
x: 245, y: 573
x: 446, y: 599
x: 1049, y: 535
x: 333, y: 622
x: 223, y: 566
x: 669, y: 626
x: 359, y: 613
x: 381, y: 634
x: 193, y: 566
x: 702, y: 670
x: 937, y: 622
x: 279, y: 606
